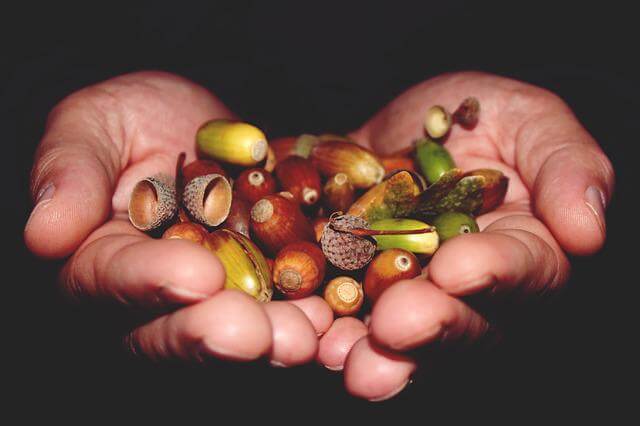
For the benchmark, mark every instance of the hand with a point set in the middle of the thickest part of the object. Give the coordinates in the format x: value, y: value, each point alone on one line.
x: 560, y: 183
x: 98, y: 143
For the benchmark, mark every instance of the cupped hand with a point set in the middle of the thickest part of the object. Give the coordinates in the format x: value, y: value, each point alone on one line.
x: 98, y: 143
x: 560, y: 184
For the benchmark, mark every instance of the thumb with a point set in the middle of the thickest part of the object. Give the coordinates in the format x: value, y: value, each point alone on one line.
x: 73, y: 178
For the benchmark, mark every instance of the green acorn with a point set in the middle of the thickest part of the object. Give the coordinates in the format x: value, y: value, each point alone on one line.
x: 452, y: 224
x: 407, y: 234
x: 433, y: 159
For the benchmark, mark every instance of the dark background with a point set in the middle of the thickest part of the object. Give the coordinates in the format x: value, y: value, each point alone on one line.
x: 309, y: 67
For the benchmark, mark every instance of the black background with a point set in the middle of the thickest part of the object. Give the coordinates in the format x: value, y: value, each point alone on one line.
x: 315, y: 66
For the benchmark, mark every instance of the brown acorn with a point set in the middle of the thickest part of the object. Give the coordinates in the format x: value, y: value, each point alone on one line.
x: 298, y: 176
x: 238, y: 219
x: 318, y: 226
x: 253, y: 184
x: 361, y: 165
x: 468, y: 113
x: 344, y: 295
x: 271, y: 161
x: 293, y: 145
x: 208, y: 199
x: 277, y: 221
x: 395, y: 163
x: 186, y: 231
x: 344, y: 249
x: 299, y: 269
x: 339, y: 194
x: 200, y: 168
x: 494, y: 188
x: 152, y: 203
x: 387, y: 268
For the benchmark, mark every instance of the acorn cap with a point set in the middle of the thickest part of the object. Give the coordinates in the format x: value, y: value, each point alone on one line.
x: 152, y: 202
x: 343, y: 249
x: 208, y: 199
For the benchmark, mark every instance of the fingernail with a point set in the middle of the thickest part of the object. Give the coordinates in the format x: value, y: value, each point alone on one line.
x: 44, y: 195
x: 594, y: 199
x: 392, y: 393
x: 334, y: 367
x: 175, y: 294
x: 277, y: 364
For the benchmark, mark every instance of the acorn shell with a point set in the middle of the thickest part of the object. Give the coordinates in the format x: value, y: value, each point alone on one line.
x: 208, y: 199
x: 277, y: 221
x: 361, y: 165
x: 232, y: 142
x: 344, y: 250
x: 152, y: 203
x: 298, y: 176
x: 387, y: 268
x: 245, y: 266
x: 299, y: 269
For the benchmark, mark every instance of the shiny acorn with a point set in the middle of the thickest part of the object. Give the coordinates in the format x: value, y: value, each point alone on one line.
x: 245, y: 266
x: 232, y: 142
x: 318, y: 225
x: 452, y: 224
x: 468, y: 113
x: 238, y: 218
x: 395, y: 163
x: 437, y: 121
x: 186, y: 231
x: 339, y: 194
x: 387, y: 268
x: 152, y: 203
x: 277, y: 221
x: 200, y: 168
x: 361, y: 166
x: 408, y: 234
x: 433, y: 159
x: 208, y: 199
x: 298, y: 176
x: 255, y: 183
x: 344, y: 295
x: 293, y: 145
x: 494, y: 188
x: 299, y: 269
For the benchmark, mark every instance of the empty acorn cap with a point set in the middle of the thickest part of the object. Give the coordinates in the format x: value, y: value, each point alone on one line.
x: 208, y: 199
x: 152, y: 202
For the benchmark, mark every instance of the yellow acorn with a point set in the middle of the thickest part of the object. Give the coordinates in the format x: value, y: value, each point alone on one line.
x: 233, y: 142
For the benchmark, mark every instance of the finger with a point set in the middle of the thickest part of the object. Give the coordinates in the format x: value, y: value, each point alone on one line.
x: 570, y: 178
x: 338, y: 341
x: 376, y: 374
x: 317, y: 311
x: 294, y: 338
x: 514, y: 255
x: 415, y: 312
x: 229, y: 325
x: 120, y: 263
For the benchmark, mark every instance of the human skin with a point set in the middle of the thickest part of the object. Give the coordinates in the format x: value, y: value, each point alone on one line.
x: 117, y: 132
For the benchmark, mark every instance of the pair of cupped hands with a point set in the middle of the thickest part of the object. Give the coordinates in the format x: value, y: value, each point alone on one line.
x: 102, y: 139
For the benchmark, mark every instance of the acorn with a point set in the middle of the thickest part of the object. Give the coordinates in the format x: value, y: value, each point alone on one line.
x: 342, y: 247
x: 271, y: 161
x: 452, y: 224
x: 318, y: 226
x: 200, y: 168
x: 433, y: 159
x: 293, y: 145
x: 186, y: 231
x: 437, y: 121
x: 339, y: 194
x: 152, y: 203
x: 232, y: 142
x: 299, y: 177
x: 253, y: 184
x: 387, y: 268
x: 394, y: 163
x: 468, y: 113
x: 407, y: 234
x: 327, y: 137
x: 245, y: 266
x: 344, y: 295
x: 208, y: 199
x: 299, y: 269
x: 238, y: 219
x: 361, y: 165
x: 277, y: 221
x: 494, y: 188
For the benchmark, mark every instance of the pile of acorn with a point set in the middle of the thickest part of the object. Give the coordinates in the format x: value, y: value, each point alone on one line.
x: 275, y: 213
